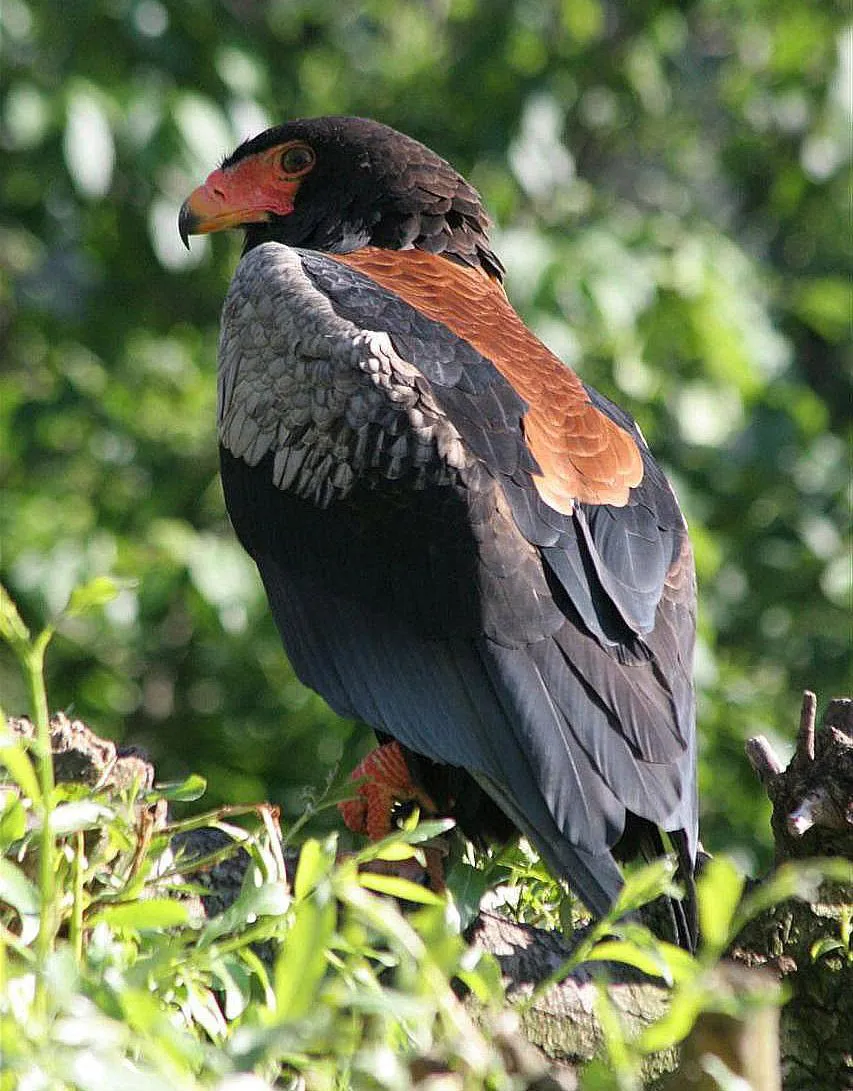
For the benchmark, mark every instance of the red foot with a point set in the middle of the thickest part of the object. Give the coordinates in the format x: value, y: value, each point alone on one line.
x: 388, y: 781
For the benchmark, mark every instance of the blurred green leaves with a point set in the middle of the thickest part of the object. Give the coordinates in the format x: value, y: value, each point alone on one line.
x: 669, y: 185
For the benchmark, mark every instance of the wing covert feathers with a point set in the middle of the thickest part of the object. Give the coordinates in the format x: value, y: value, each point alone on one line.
x: 332, y: 402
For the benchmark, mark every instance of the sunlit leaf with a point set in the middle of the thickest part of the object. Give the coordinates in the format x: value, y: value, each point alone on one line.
x: 17, y: 890
x: 644, y: 885
x: 92, y: 595
x: 12, y: 628
x: 397, y: 887
x: 204, y: 1009
x: 183, y: 791
x: 14, y: 756
x: 599, y: 1076
x: 147, y: 914
x: 643, y: 959
x: 82, y: 815
x: 235, y: 982
x: 467, y: 885
x: 614, y: 1034
x: 718, y: 892
x: 424, y: 831
x: 396, y: 851
x: 13, y: 820
x: 302, y: 963
x: 827, y: 945
x: 485, y: 980
x: 315, y: 862
x: 676, y: 1023
x: 271, y: 899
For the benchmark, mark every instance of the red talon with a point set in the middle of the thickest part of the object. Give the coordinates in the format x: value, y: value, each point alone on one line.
x: 387, y: 781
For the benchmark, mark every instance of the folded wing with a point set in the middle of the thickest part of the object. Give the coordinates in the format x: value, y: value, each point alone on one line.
x: 462, y: 545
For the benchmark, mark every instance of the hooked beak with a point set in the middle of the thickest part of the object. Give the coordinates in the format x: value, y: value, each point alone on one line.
x: 248, y: 192
x: 209, y: 208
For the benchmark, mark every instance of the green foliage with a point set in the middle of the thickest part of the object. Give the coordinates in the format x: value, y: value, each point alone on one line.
x: 107, y: 966
x: 669, y: 183
x: 112, y: 974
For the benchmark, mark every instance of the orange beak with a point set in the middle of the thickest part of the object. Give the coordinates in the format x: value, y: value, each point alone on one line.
x: 247, y: 192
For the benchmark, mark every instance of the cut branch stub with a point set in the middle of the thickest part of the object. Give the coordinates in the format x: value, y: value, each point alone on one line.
x: 813, y: 798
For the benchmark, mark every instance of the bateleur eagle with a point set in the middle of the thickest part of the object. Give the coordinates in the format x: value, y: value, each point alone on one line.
x: 463, y: 545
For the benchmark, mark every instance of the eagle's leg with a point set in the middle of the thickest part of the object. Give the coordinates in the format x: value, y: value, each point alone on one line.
x: 387, y: 783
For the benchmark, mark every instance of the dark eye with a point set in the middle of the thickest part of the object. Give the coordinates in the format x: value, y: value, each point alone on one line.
x: 297, y: 159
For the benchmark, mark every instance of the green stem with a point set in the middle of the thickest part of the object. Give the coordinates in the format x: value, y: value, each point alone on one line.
x: 3, y: 972
x: 47, y: 869
x: 76, y: 925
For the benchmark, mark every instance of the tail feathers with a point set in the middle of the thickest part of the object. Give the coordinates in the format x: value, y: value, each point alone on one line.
x: 688, y: 907
x: 643, y: 839
x: 596, y: 879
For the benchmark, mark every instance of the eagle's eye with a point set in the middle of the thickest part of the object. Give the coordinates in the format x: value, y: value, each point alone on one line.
x: 297, y: 159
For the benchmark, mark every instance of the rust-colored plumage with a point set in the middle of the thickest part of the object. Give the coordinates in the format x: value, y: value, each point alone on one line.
x: 582, y: 454
x: 463, y: 545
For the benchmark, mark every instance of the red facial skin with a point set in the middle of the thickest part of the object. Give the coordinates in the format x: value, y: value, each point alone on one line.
x: 250, y: 191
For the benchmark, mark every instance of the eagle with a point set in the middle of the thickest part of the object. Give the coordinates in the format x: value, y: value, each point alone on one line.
x: 463, y: 545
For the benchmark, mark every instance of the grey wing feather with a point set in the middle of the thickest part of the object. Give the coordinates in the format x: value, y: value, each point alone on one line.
x: 292, y: 372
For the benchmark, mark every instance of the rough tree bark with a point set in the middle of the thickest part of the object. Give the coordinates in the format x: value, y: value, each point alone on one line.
x: 796, y: 943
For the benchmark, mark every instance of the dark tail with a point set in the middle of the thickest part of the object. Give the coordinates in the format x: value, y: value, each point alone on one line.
x: 679, y: 917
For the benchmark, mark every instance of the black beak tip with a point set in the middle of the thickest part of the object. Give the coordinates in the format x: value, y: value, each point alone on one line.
x: 187, y: 223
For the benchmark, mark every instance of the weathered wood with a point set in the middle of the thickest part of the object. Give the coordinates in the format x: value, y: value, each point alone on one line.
x: 803, y: 943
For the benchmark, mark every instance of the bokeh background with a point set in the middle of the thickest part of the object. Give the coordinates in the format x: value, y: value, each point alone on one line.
x: 669, y: 184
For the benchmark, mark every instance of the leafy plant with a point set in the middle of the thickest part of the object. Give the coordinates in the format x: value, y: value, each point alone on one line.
x: 109, y: 966
x: 112, y: 972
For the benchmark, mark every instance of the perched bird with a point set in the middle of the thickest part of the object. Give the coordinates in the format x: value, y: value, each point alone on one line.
x: 463, y: 545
